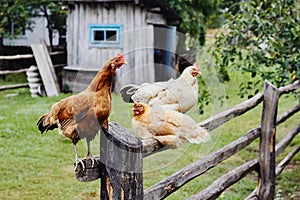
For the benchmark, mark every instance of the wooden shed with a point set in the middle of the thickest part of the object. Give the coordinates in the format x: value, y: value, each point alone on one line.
x: 142, y: 30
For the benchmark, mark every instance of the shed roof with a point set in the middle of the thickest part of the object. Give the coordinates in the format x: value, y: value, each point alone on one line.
x: 158, y: 6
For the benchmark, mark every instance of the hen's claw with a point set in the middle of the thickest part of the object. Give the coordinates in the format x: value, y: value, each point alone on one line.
x: 93, y: 160
x: 76, y: 165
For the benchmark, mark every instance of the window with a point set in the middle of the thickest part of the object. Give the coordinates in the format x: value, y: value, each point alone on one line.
x: 106, y: 35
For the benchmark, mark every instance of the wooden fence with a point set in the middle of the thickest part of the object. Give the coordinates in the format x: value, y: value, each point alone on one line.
x: 121, y: 155
x: 3, y: 73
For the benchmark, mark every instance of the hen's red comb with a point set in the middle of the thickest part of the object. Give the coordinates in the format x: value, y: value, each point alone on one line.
x: 196, y: 65
x: 120, y: 56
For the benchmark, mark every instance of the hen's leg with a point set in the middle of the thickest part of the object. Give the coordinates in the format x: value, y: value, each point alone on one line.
x: 89, y: 155
x: 77, y: 160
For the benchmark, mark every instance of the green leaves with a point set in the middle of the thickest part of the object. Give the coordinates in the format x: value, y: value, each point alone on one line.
x: 262, y: 40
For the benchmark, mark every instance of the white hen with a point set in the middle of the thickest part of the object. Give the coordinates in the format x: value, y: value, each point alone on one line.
x: 179, y: 94
x: 169, y: 127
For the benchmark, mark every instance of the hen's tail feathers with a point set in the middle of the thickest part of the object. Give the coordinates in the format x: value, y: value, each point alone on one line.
x: 44, y: 124
x: 201, y: 135
x: 127, y: 91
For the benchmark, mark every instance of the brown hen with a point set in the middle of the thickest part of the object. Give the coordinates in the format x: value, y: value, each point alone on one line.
x: 82, y: 115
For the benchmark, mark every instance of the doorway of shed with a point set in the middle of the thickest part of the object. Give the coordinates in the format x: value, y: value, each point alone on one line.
x: 164, y: 52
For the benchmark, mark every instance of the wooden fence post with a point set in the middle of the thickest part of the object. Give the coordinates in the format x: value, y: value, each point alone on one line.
x: 266, y: 182
x: 121, y: 164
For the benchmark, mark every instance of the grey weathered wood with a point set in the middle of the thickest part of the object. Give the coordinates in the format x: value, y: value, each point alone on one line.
x: 121, y: 164
x: 225, y: 181
x: 46, y: 70
x: 283, y: 163
x: 217, y: 187
x: 5, y: 72
x: 266, y: 181
x: 230, y: 113
x: 13, y: 86
x: 289, y: 88
x: 138, y: 51
x: 91, y: 171
x: 279, y: 148
x: 178, y: 179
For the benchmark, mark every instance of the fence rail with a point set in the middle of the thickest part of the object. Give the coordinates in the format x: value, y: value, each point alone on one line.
x: 120, y: 137
x: 23, y: 70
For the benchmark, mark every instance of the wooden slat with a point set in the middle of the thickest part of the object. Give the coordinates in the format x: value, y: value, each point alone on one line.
x: 5, y: 72
x: 14, y: 86
x: 230, y: 178
x: 228, y: 114
x: 266, y: 182
x: 25, y: 56
x: 46, y: 69
x: 122, y: 164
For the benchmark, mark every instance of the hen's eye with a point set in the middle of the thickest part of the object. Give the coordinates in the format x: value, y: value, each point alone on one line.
x: 117, y: 60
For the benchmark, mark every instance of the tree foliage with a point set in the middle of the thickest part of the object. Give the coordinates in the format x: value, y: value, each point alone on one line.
x: 14, y: 13
x: 263, y: 41
x: 194, y: 14
x: 19, y: 13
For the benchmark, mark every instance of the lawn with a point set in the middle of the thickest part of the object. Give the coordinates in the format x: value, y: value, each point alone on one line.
x: 35, y: 166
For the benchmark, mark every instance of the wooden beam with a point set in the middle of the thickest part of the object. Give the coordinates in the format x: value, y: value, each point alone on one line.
x: 230, y: 113
x: 14, y: 86
x: 280, y: 167
x: 5, y: 72
x: 230, y: 178
x: 46, y: 69
x: 121, y: 164
x: 266, y: 181
x: 279, y: 148
x: 167, y: 186
x: 26, y: 56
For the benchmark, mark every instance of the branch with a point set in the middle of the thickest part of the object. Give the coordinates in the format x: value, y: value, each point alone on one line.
x: 233, y: 176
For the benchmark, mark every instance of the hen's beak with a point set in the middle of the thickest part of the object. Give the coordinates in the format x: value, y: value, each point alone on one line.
x: 125, y: 63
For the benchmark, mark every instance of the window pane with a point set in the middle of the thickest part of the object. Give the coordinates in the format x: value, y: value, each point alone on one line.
x: 111, y: 35
x: 99, y: 36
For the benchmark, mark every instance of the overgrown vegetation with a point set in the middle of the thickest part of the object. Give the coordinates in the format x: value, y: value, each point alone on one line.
x: 263, y: 41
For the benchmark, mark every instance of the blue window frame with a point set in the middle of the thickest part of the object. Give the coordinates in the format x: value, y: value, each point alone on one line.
x: 108, y: 35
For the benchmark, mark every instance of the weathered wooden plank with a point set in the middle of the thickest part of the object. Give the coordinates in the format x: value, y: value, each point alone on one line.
x: 25, y: 56
x: 266, y: 181
x: 121, y: 164
x: 91, y: 172
x: 165, y: 187
x: 217, y: 187
x: 45, y: 68
x: 279, y: 148
x: 283, y: 163
x: 230, y: 113
x: 225, y: 181
x: 289, y: 88
x: 13, y: 86
x: 5, y: 72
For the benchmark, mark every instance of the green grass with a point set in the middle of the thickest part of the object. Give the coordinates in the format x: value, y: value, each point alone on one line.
x: 35, y: 166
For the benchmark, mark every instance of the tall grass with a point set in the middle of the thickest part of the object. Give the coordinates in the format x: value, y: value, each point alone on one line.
x: 35, y: 166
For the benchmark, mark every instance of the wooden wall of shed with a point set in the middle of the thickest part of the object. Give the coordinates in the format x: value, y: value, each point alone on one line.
x: 138, y: 40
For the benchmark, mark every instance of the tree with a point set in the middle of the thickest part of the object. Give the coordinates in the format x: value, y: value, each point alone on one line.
x: 55, y: 15
x: 263, y: 42
x: 19, y: 14
x: 194, y: 14
x: 14, y: 14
